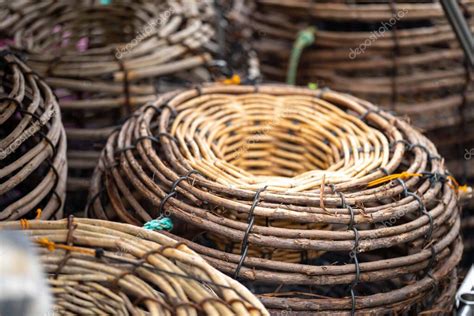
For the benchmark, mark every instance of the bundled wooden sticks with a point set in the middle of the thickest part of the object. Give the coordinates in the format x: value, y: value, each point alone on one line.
x: 103, y: 268
x: 325, y: 202
x: 105, y: 60
x: 33, y: 166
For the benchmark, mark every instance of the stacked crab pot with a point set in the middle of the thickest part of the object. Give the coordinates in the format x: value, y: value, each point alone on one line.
x: 33, y: 165
x: 105, y: 60
x: 318, y: 201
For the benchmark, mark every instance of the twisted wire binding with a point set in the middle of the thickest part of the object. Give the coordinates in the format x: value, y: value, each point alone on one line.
x: 250, y: 221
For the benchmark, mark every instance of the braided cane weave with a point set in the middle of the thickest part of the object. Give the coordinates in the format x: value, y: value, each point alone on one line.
x: 33, y: 166
x: 104, y: 268
x: 281, y: 170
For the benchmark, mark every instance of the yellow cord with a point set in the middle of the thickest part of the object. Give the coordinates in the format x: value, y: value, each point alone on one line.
x: 24, y: 224
x: 403, y: 175
x: 463, y: 188
x: 38, y: 213
x: 234, y: 80
x: 456, y: 186
x: 51, y: 246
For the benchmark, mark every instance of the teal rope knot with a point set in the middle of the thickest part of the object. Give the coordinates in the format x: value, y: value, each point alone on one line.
x: 164, y: 223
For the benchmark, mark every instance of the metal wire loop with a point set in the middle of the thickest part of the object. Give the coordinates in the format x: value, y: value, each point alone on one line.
x: 404, y: 185
x: 123, y: 149
x: 250, y: 221
x: 168, y: 135
x: 173, y: 191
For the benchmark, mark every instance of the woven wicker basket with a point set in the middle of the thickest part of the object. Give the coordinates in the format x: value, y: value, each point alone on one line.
x: 33, y: 166
x: 106, y: 60
x: 400, y: 54
x: 284, y: 178
x: 104, y: 268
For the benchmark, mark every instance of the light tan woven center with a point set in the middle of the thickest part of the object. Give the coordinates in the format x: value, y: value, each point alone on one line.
x: 285, y: 142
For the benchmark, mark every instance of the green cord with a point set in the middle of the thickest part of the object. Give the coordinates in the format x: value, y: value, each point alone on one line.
x: 305, y: 38
x: 164, y: 223
x: 312, y: 85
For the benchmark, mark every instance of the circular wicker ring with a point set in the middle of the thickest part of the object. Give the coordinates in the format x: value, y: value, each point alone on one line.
x: 304, y: 191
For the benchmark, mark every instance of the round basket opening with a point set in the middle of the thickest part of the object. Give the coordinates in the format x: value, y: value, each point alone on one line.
x: 272, y: 141
x: 281, y: 141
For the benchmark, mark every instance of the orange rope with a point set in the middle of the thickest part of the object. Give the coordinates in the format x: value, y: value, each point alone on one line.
x: 234, y: 80
x: 51, y: 246
x: 463, y: 188
x: 453, y: 180
x: 24, y: 224
x: 403, y: 175
x: 456, y: 186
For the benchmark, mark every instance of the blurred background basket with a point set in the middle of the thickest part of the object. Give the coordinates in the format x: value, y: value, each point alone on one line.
x: 106, y: 59
x: 33, y: 167
x: 401, y: 55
